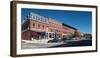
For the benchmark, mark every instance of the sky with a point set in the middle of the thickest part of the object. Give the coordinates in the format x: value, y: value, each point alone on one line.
x: 82, y: 20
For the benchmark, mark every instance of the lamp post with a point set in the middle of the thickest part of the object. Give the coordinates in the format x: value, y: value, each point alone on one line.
x: 28, y: 18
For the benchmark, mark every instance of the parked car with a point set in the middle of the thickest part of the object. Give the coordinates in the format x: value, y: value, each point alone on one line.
x: 54, y: 41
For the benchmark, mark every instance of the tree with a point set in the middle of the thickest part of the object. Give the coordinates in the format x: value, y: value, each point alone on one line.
x: 88, y: 36
x: 76, y: 34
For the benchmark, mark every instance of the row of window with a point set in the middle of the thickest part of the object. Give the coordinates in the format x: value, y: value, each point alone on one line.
x: 38, y: 18
x: 55, y: 25
x: 34, y: 26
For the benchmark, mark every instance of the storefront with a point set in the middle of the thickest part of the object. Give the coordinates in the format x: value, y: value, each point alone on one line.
x: 37, y: 35
x: 50, y: 35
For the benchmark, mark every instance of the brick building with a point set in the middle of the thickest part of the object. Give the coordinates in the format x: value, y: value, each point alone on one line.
x: 34, y: 27
x: 40, y: 27
x: 68, y: 31
x: 54, y: 28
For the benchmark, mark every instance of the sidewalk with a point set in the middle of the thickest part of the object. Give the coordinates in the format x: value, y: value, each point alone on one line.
x: 27, y: 44
x: 36, y: 41
x: 43, y: 43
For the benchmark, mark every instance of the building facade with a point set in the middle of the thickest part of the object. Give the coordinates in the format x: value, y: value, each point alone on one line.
x: 35, y: 27
x: 68, y: 31
x: 40, y: 27
x: 54, y: 29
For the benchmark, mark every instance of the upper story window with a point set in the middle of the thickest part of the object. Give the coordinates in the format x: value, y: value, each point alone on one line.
x: 41, y: 19
x: 29, y: 16
x: 45, y: 20
x: 43, y: 27
x: 38, y: 26
x: 33, y: 17
x: 36, y: 17
x: 33, y: 25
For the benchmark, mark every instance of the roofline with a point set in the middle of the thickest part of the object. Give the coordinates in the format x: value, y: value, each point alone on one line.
x: 69, y: 26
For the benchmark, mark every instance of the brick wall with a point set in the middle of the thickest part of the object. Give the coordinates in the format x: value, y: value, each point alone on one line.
x: 25, y: 35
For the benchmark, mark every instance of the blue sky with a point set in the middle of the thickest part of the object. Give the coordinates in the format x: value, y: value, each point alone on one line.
x: 81, y: 20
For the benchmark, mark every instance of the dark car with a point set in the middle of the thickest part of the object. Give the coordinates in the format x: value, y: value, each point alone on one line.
x: 54, y: 41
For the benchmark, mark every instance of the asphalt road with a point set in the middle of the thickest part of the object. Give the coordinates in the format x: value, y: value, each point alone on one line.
x: 54, y: 45
x: 75, y: 43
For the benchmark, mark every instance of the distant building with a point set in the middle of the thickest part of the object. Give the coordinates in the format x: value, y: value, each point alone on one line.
x: 68, y: 30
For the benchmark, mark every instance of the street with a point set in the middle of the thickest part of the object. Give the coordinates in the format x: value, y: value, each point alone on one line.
x: 70, y: 43
x: 75, y: 43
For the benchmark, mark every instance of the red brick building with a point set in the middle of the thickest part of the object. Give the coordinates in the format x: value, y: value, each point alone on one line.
x: 54, y: 28
x: 40, y: 27
x: 34, y: 27
x: 68, y: 30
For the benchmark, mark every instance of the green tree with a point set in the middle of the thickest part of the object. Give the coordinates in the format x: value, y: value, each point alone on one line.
x: 76, y: 34
x: 88, y: 36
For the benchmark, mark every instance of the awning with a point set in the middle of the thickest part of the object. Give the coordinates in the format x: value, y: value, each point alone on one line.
x: 34, y: 34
